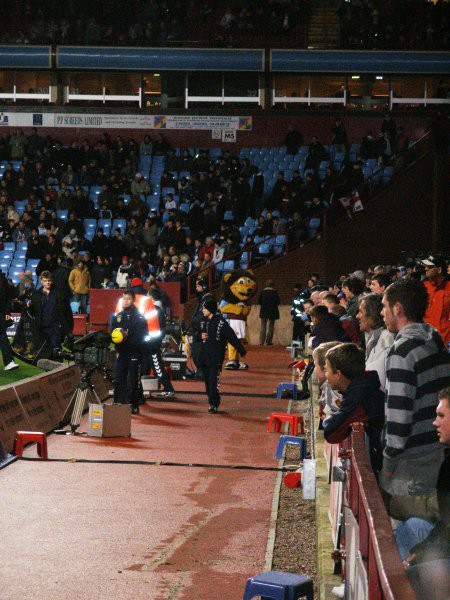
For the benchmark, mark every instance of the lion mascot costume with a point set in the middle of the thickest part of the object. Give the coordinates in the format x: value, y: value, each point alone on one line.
x: 238, y: 288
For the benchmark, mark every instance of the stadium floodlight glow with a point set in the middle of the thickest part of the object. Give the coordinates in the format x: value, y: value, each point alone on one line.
x: 156, y: 74
x: 379, y: 77
x: 355, y: 77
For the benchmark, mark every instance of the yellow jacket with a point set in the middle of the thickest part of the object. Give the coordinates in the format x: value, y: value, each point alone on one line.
x: 80, y: 281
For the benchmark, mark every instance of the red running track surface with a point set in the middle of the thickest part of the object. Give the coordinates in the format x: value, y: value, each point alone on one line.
x: 113, y: 531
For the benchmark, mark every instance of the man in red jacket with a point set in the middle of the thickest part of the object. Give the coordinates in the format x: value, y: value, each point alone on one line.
x: 438, y: 288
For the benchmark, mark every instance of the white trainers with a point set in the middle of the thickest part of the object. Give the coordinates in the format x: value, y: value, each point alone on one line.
x: 11, y: 366
x: 339, y: 590
x: 166, y: 395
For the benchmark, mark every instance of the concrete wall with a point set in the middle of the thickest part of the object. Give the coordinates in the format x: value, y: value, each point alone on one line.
x: 283, y: 327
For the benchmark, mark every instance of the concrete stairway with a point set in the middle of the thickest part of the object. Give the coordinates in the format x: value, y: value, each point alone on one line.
x: 324, y: 26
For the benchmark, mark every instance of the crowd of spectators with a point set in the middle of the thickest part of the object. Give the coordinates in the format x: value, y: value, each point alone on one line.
x: 380, y: 342
x: 368, y: 24
x: 200, y: 212
x: 395, y: 25
x: 149, y: 23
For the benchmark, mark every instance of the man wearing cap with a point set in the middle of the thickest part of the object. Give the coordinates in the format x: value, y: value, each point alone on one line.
x: 437, y: 285
x: 202, y: 293
x: 216, y: 333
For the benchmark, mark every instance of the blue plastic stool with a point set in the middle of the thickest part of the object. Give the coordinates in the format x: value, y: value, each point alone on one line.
x: 293, y: 440
x: 287, y: 385
x: 279, y: 586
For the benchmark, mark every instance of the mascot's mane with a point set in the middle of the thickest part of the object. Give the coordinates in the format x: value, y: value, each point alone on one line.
x: 226, y: 292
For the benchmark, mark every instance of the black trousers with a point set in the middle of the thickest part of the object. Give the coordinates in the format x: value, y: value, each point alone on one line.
x: 127, y: 379
x: 152, y: 359
x: 5, y: 347
x: 298, y: 330
x: 212, y: 384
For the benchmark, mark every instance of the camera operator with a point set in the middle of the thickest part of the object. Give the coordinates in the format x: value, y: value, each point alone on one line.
x: 51, y: 309
x: 129, y: 352
x: 5, y: 348
x: 152, y: 357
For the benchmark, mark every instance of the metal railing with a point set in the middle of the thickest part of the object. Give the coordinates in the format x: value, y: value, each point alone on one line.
x: 386, y: 576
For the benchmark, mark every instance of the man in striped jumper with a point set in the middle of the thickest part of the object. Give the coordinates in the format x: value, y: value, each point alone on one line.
x: 417, y: 367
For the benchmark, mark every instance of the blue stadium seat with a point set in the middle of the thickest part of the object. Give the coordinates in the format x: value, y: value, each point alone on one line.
x: 264, y: 249
x: 367, y: 172
x: 10, y: 246
x: 90, y: 225
x: 372, y: 163
x: 215, y: 153
x: 153, y: 202
x: 387, y: 174
x: 62, y: 214
x: 168, y: 190
x: 94, y: 192
x: 32, y: 263
x: 105, y: 224
x: 244, y: 260
x: 228, y: 215
x: 18, y: 263
x: 249, y: 222
x: 121, y: 224
x: 20, y: 254
x: 228, y: 265
x: 184, y: 207
x: 313, y: 226
x: 89, y: 235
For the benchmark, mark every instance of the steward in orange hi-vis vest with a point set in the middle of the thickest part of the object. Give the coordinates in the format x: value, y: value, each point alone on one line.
x: 153, y: 313
x: 146, y: 307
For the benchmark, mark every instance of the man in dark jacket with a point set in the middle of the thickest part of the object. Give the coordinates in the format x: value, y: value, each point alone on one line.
x: 5, y: 309
x: 269, y: 301
x: 51, y: 308
x: 326, y: 327
x: 129, y: 352
x: 216, y: 334
x: 362, y: 399
x: 201, y: 290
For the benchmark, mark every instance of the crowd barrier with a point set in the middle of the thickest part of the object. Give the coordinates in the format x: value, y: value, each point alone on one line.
x: 361, y: 528
x: 38, y: 403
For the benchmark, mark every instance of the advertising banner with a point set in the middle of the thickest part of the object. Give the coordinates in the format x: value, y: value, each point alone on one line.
x: 115, y: 121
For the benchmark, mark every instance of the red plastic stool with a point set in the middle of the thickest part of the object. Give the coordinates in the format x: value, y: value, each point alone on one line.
x: 25, y: 437
x: 293, y: 420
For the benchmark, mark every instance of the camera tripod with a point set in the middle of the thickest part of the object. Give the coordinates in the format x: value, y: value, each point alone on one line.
x: 84, y: 390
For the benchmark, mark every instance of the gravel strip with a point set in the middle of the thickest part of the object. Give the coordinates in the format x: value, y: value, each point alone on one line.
x: 295, y: 542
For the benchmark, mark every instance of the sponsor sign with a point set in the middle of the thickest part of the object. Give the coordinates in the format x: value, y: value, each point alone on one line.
x: 58, y: 387
x: 114, y: 121
x: 229, y: 136
x: 12, y: 324
x: 12, y: 417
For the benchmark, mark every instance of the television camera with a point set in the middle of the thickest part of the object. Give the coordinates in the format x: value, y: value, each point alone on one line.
x: 90, y: 353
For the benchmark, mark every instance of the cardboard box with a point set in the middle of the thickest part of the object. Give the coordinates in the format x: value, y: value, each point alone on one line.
x: 109, y: 420
x: 177, y: 363
x: 149, y: 384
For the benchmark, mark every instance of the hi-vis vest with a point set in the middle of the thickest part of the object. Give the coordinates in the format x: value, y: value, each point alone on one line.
x: 146, y: 307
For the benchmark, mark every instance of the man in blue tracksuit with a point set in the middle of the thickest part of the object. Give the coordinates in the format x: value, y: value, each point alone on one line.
x: 215, y: 334
x: 129, y: 352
